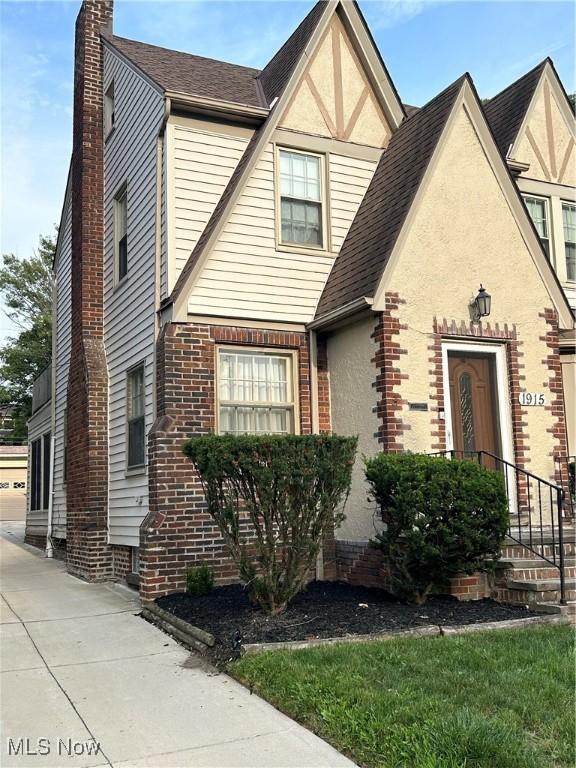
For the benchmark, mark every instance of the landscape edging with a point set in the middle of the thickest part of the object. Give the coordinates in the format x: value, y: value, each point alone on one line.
x: 187, y: 633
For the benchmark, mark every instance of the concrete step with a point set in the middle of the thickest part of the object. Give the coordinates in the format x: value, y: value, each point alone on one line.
x: 540, y: 585
x: 532, y: 562
x: 547, y: 536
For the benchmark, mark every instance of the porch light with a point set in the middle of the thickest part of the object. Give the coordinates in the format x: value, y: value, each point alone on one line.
x: 482, y: 303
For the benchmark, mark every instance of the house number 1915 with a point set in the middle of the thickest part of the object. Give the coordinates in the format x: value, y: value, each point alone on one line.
x: 532, y: 398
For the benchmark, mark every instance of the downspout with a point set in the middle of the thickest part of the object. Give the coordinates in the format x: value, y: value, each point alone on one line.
x: 49, y: 544
x: 313, y: 347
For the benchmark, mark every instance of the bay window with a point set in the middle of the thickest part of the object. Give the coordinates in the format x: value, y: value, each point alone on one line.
x: 255, y: 392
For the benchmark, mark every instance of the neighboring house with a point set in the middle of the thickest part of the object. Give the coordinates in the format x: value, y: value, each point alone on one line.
x: 39, y: 461
x: 13, y: 479
x: 291, y: 250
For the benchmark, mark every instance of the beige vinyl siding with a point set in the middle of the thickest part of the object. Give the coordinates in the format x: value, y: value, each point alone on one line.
x: 245, y: 276
x: 63, y: 336
x: 202, y: 165
x: 39, y: 424
x: 129, y: 320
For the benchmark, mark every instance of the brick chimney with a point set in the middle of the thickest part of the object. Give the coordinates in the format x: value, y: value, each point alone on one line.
x: 88, y: 552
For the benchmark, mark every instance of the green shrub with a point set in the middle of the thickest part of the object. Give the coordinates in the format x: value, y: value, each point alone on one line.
x: 273, y: 498
x: 199, y: 580
x: 441, y: 518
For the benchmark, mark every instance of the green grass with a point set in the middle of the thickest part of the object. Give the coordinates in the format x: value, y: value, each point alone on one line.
x: 500, y: 699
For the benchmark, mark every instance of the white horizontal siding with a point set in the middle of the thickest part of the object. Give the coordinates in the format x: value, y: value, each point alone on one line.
x: 202, y: 163
x: 129, y: 320
x: 63, y: 336
x: 247, y: 276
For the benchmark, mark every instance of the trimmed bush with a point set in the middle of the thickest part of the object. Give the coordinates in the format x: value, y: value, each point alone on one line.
x: 442, y: 517
x: 199, y: 580
x: 273, y: 498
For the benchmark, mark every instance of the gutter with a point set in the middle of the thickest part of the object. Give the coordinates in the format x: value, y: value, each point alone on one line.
x: 217, y: 107
x: 341, y: 312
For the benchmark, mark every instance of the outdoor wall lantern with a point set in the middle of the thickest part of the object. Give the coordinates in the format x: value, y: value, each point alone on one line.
x: 482, y: 303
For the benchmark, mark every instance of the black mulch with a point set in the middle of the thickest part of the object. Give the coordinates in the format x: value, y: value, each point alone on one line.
x: 325, y: 609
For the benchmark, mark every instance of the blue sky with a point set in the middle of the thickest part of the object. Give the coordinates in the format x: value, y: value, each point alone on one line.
x: 425, y: 44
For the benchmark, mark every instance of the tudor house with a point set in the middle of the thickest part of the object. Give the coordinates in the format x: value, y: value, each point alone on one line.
x: 296, y: 250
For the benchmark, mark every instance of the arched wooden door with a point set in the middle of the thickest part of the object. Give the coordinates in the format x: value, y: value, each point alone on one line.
x: 473, y: 397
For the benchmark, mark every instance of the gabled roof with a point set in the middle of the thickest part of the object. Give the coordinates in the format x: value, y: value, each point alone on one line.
x: 192, y: 75
x: 275, y: 75
x: 274, y: 80
x: 506, y: 111
x: 383, y: 210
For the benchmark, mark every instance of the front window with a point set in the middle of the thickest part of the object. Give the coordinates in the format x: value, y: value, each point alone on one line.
x: 256, y: 393
x: 569, y: 221
x: 300, y: 199
x: 136, y: 419
x: 121, y: 233
x: 538, y: 211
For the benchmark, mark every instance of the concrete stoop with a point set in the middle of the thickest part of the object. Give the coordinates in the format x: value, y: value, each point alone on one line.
x: 523, y: 578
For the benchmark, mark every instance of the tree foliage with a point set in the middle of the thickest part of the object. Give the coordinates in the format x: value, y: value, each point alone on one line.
x: 273, y: 498
x: 442, y: 518
x: 26, y: 290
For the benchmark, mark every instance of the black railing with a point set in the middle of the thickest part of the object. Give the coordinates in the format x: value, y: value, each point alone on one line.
x: 565, y: 469
x: 536, y: 506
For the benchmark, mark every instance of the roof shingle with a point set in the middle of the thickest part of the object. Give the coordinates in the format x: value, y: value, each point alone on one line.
x: 506, y: 111
x: 192, y: 75
x: 383, y: 210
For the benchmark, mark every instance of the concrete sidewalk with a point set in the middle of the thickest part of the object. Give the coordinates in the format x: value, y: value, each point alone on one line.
x: 79, y: 668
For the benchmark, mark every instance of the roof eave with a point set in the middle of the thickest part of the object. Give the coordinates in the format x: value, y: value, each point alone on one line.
x: 340, y: 313
x: 217, y: 107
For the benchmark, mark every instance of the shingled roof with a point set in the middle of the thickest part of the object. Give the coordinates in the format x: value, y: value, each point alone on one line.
x: 192, y: 75
x: 506, y: 111
x: 278, y: 73
x: 209, y: 78
x: 383, y: 210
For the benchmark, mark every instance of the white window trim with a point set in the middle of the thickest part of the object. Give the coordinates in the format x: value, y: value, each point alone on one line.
x: 121, y: 194
x: 503, y: 394
x: 293, y: 387
x: 549, y: 224
x: 324, y: 202
x: 135, y: 469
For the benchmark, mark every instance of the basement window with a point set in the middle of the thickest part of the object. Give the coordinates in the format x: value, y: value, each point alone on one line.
x: 136, y: 418
x: 121, y: 233
x: 109, y: 116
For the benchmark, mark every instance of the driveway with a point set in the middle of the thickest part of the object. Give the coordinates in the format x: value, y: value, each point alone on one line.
x: 79, y: 668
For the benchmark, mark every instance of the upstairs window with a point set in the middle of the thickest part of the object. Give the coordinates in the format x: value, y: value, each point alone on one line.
x: 569, y: 222
x: 256, y: 393
x: 301, y: 199
x: 109, y: 109
x: 136, y: 419
x: 538, y: 210
x: 121, y: 233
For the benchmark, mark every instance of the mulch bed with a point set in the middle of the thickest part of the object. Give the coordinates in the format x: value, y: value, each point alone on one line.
x: 325, y: 609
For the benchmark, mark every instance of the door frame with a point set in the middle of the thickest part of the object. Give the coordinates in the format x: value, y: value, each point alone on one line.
x: 498, y: 351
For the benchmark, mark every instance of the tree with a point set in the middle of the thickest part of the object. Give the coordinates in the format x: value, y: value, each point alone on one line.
x: 26, y: 288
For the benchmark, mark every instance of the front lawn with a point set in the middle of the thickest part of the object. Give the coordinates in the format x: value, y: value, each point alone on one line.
x: 501, y: 699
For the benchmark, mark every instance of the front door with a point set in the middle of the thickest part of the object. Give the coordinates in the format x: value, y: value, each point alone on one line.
x: 474, y: 401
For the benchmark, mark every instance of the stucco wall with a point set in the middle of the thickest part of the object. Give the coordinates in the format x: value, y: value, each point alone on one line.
x: 463, y: 234
x: 569, y: 378
x: 352, y: 401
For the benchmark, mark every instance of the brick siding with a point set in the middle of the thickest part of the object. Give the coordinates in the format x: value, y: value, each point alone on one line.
x: 178, y: 531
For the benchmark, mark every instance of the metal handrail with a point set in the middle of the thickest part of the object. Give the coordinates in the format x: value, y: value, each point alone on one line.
x: 528, y: 505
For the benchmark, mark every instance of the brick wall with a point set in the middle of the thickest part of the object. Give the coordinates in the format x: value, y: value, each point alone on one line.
x: 121, y: 560
x: 553, y: 365
x: 389, y: 376
x: 88, y: 554
x: 178, y: 531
